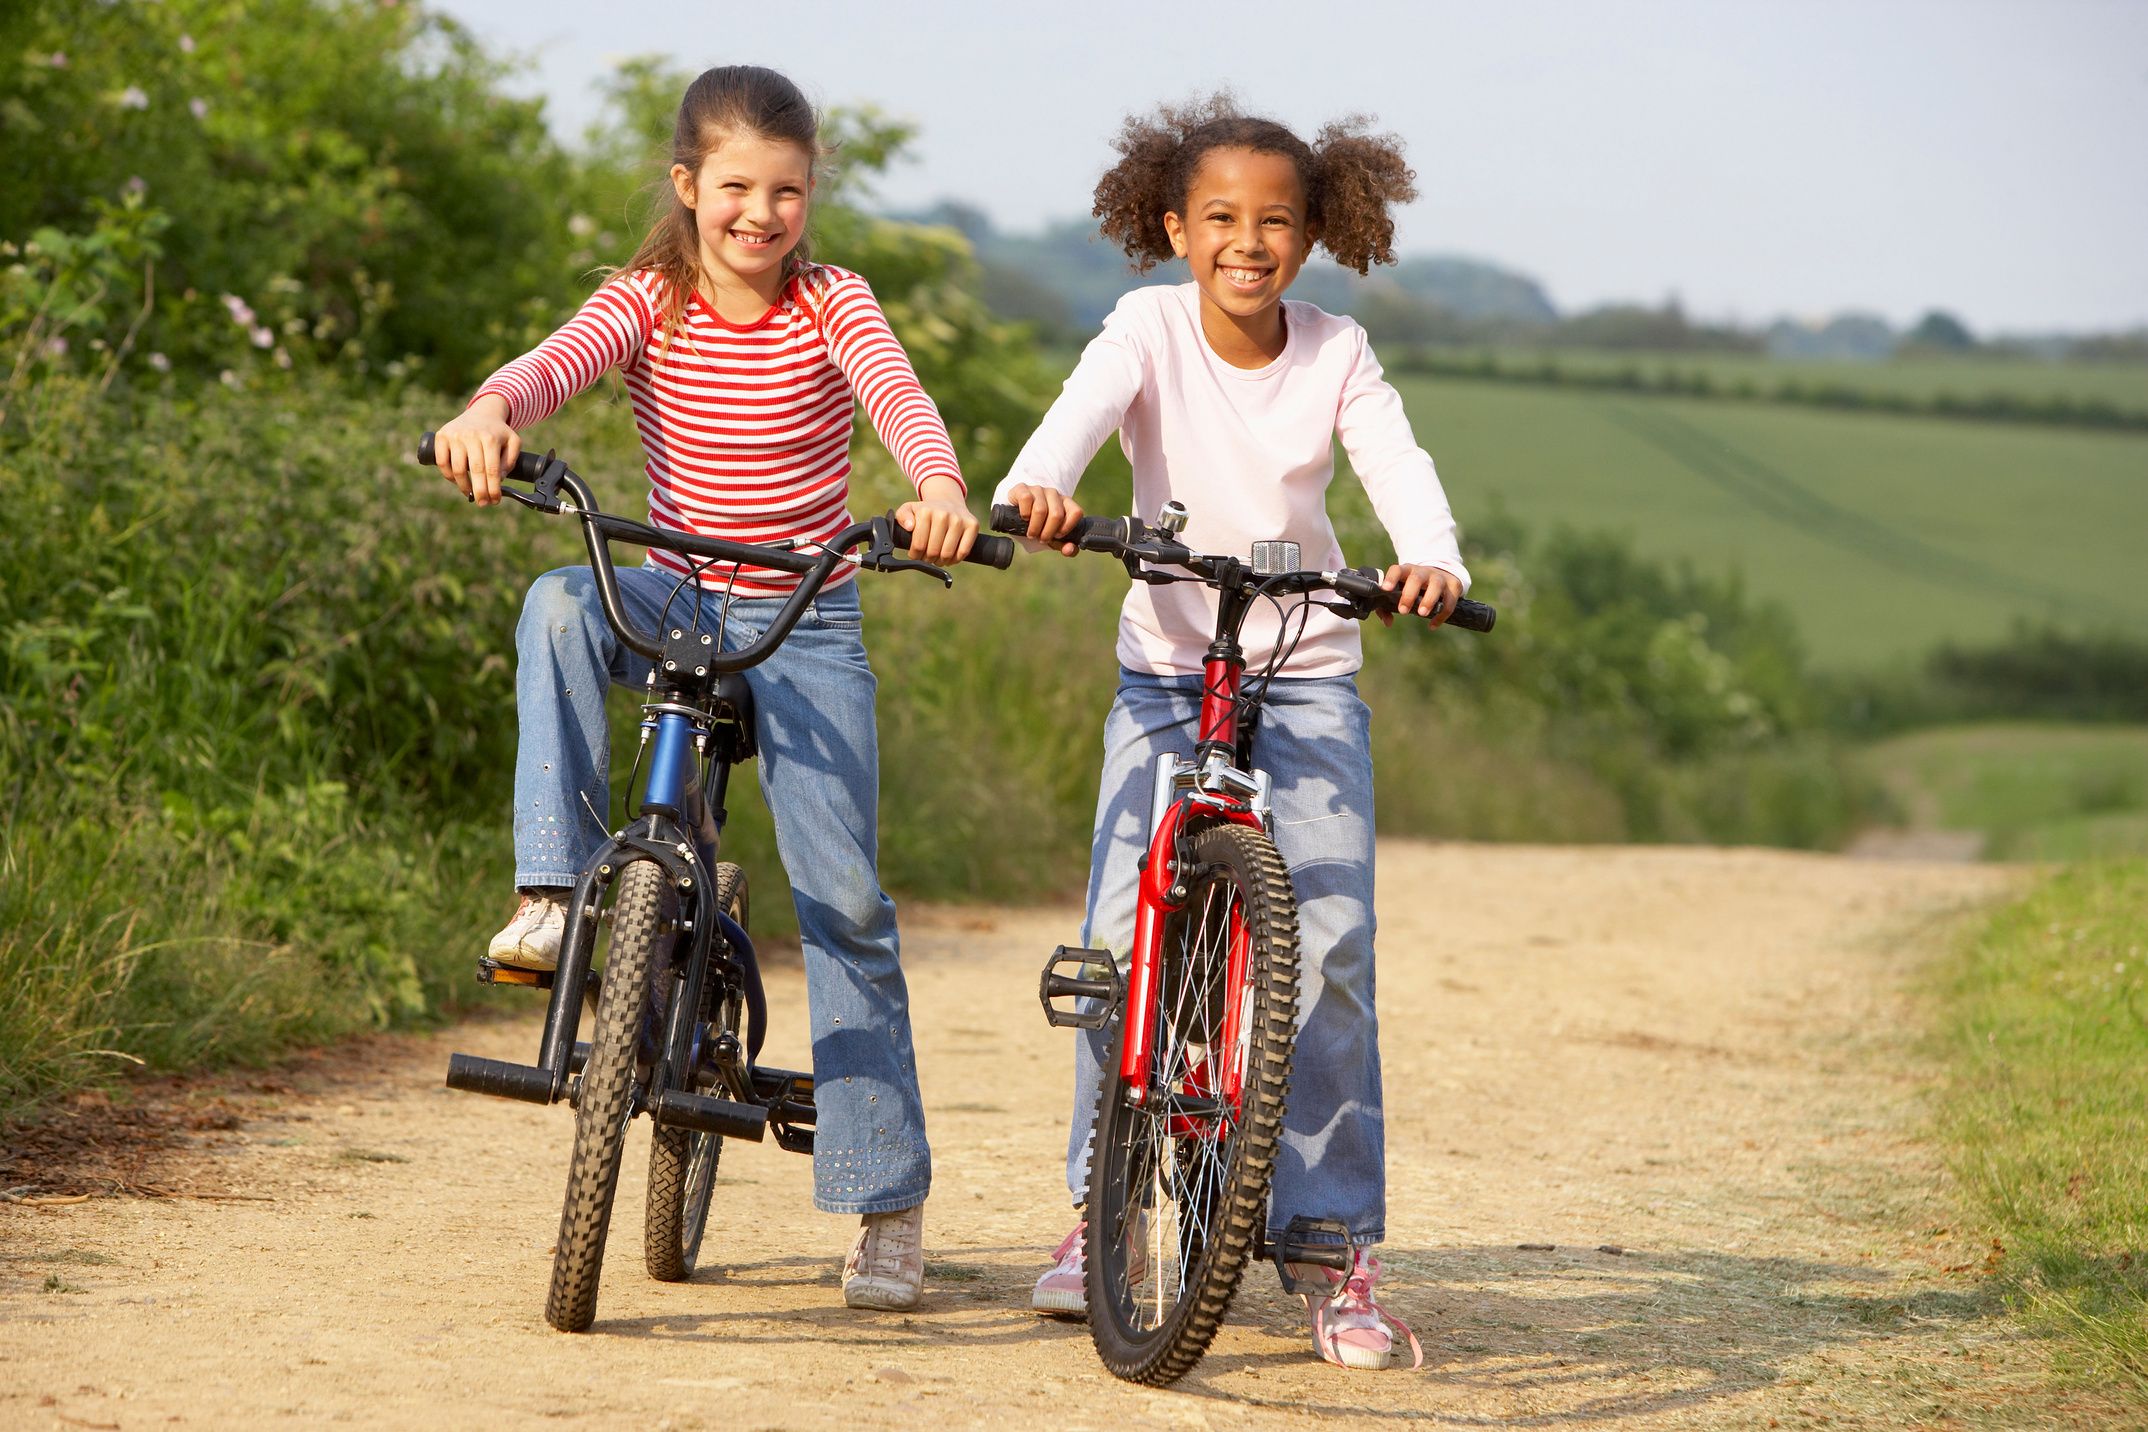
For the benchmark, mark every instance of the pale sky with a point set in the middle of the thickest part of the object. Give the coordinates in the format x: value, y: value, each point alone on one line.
x: 1754, y: 158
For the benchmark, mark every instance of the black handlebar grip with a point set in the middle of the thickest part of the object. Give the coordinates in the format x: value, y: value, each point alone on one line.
x: 1008, y: 518
x: 985, y: 550
x: 1473, y: 616
x: 526, y: 468
x: 1363, y: 583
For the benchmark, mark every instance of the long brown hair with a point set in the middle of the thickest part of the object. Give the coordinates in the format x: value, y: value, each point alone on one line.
x: 1351, y: 179
x: 725, y: 103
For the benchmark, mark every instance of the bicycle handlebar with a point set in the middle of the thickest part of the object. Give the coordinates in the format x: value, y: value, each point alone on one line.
x: 553, y: 477
x: 1127, y: 537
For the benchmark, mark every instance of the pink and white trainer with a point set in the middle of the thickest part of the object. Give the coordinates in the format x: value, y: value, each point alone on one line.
x: 1065, y: 1289
x: 1061, y: 1290
x: 1349, y: 1328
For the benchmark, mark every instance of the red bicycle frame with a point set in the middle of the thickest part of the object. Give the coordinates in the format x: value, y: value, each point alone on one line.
x: 1218, y: 732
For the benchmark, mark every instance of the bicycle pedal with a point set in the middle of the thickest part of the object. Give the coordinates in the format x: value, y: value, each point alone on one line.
x: 492, y: 972
x: 1296, y: 1247
x: 1097, y: 977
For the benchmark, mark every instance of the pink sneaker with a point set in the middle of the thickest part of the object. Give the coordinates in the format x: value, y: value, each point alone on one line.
x: 1060, y: 1290
x: 1065, y: 1288
x: 1348, y: 1326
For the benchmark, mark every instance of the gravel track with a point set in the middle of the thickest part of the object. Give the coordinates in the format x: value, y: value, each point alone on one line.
x: 1703, y: 1058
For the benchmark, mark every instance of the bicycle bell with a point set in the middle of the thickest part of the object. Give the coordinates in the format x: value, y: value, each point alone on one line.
x: 1272, y: 559
x: 1172, y: 520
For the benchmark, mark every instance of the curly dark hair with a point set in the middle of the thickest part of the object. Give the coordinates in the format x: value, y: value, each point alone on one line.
x: 1351, y: 178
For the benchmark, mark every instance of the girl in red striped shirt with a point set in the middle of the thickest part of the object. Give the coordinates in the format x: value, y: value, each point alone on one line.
x: 744, y: 360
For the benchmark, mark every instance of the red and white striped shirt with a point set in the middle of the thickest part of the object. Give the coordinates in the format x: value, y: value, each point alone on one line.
x: 747, y: 427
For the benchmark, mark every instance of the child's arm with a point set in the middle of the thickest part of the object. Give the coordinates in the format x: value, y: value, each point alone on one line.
x: 1089, y: 408
x: 1405, y: 491
x: 865, y: 348
x: 611, y: 329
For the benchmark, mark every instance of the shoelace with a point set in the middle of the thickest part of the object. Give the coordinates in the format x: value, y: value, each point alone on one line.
x: 530, y: 902
x: 1354, y: 1295
x: 1072, y: 1243
x: 881, y: 1251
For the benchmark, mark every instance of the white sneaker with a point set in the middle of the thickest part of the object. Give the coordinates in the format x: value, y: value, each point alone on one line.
x: 531, y: 939
x: 886, y: 1266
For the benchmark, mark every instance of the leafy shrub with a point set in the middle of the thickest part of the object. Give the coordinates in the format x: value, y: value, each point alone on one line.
x: 348, y: 174
x: 255, y: 710
x: 2037, y: 672
x: 1619, y: 698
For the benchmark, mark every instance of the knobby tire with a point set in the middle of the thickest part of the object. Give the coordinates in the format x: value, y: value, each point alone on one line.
x: 1195, y: 1202
x: 682, y: 1162
x: 606, y: 1099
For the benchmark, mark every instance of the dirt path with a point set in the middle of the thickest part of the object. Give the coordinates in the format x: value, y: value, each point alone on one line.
x: 1697, y: 1056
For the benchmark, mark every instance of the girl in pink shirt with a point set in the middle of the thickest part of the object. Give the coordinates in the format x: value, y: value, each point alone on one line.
x: 1229, y: 399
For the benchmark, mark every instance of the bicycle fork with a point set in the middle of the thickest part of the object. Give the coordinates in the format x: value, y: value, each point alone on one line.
x: 1213, y: 791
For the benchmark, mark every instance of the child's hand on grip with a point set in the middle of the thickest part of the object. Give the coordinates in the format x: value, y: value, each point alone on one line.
x: 1425, y: 591
x: 1051, y: 514
x: 475, y: 447
x: 940, y: 524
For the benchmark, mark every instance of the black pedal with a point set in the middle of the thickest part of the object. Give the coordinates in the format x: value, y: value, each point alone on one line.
x: 1296, y: 1247
x: 499, y: 1078
x: 1096, y: 977
x: 677, y: 1109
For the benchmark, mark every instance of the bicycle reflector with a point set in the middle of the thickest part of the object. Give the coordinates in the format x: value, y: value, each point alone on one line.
x: 1272, y: 559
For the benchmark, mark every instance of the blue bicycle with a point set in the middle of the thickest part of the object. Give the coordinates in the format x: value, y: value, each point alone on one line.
x: 680, y: 1016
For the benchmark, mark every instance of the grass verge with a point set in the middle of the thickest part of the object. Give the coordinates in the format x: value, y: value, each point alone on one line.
x: 2046, y: 1109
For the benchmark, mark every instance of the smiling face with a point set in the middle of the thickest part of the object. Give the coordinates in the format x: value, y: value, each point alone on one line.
x: 1243, y: 231
x: 749, y: 199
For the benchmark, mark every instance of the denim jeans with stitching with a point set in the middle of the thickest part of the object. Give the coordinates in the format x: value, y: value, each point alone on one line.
x: 820, y: 774
x: 1314, y: 739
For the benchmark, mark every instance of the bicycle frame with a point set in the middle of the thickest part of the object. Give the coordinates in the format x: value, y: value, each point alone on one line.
x: 1218, y: 785
x: 689, y: 705
x: 1212, y: 788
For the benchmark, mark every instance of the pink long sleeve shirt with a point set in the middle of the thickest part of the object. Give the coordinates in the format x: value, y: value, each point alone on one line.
x: 1250, y: 452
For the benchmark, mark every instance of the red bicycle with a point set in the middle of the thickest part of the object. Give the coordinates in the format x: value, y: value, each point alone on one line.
x: 1191, y: 1111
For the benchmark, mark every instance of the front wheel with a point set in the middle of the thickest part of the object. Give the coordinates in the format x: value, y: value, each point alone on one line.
x: 1178, y: 1182
x: 682, y: 1162
x: 643, y: 920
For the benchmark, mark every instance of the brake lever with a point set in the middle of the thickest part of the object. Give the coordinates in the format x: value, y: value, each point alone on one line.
x: 880, y: 556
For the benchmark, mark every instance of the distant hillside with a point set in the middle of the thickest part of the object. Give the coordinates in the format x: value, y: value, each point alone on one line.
x: 1066, y: 279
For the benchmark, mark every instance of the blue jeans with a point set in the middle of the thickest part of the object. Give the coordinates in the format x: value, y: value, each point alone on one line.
x: 820, y: 773
x: 1314, y: 738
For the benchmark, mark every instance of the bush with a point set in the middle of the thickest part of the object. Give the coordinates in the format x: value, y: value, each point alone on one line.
x: 2042, y: 673
x: 257, y: 718
x: 349, y: 175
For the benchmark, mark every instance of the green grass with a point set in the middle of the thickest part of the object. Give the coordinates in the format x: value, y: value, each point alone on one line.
x: 1884, y: 535
x: 2045, y: 1108
x: 2036, y: 791
x: 2123, y: 385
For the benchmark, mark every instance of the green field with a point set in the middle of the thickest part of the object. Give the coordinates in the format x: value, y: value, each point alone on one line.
x: 2124, y: 385
x: 1884, y: 534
